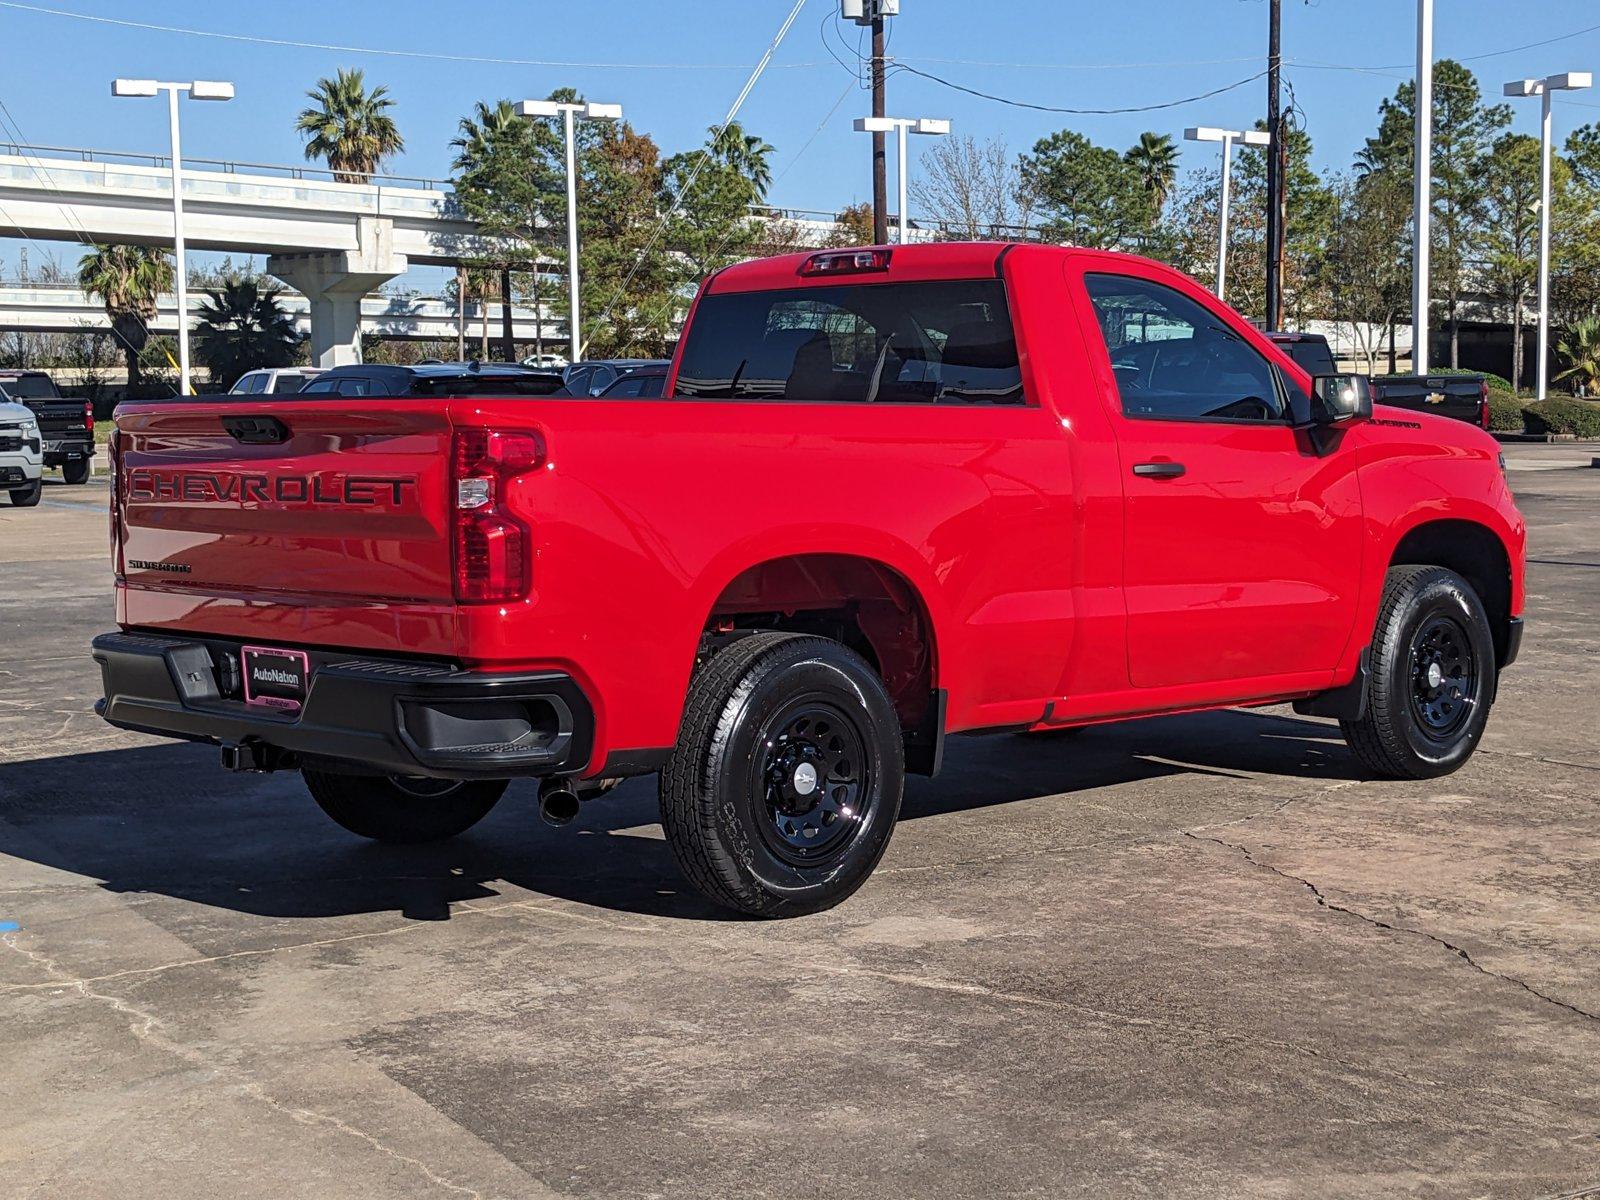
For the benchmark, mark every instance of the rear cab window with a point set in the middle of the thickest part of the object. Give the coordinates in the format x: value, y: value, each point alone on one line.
x: 898, y: 343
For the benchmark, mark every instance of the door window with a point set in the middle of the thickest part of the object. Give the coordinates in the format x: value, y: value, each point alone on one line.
x: 1174, y: 359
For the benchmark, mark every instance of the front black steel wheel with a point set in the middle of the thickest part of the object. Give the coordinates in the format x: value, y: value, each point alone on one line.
x: 1432, y: 676
x: 786, y: 781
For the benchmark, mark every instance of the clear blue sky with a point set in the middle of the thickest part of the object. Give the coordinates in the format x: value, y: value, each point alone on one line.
x: 1058, y: 52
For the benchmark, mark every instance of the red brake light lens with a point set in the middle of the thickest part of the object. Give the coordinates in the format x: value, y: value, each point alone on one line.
x: 492, y: 553
x: 1483, y: 404
x: 846, y: 262
x: 88, y: 417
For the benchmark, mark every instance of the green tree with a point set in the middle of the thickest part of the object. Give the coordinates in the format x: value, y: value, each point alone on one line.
x: 242, y: 327
x: 506, y: 183
x: 745, y: 156
x: 349, y: 127
x: 1464, y: 129
x: 1509, y: 176
x: 127, y: 280
x: 1368, y: 263
x: 1309, y: 204
x: 1581, y: 350
x: 1090, y: 195
x: 852, y: 226
x: 1155, y: 158
x: 1583, y: 155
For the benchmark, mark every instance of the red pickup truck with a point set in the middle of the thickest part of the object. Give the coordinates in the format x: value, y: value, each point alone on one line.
x: 891, y: 495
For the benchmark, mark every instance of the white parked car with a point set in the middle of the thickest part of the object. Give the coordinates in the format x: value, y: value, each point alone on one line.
x: 21, y: 454
x: 273, y: 381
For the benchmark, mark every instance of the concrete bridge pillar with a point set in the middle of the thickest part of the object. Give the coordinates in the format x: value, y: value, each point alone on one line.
x: 334, y: 281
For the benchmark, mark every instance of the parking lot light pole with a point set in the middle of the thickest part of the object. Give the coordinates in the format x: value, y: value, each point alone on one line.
x: 1250, y: 137
x: 1571, y: 81
x: 198, y: 89
x: 928, y: 126
x: 570, y: 114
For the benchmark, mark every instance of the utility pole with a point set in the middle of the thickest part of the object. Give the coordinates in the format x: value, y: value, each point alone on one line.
x: 1277, y: 155
x: 1422, y: 217
x: 880, y: 152
x: 871, y: 13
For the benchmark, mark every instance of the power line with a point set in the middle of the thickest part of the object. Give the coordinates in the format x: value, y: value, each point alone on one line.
x: 694, y: 173
x: 1094, y: 112
x: 378, y: 51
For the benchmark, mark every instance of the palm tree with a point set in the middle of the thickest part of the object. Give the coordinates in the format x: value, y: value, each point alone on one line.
x: 1581, y: 348
x: 1156, y: 160
x: 747, y: 154
x: 479, y: 134
x: 480, y: 137
x: 349, y: 126
x: 242, y: 326
x: 127, y: 279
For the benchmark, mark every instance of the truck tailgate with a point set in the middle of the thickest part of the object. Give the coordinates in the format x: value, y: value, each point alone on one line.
x: 304, y: 522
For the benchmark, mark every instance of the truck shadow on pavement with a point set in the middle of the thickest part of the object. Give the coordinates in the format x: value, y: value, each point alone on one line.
x: 164, y: 819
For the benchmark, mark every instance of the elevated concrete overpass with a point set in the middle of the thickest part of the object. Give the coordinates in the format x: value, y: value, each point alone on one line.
x: 333, y: 242
x: 41, y: 308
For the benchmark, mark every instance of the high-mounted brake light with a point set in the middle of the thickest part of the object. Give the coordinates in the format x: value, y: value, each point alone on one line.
x: 846, y: 262
x: 492, y: 554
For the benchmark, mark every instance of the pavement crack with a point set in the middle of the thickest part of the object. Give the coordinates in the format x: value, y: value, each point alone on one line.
x: 1458, y: 951
x: 145, y: 1027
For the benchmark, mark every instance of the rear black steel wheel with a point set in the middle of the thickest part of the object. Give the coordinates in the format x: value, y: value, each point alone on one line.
x: 403, y: 809
x: 1432, y: 676
x: 76, y: 471
x: 786, y: 781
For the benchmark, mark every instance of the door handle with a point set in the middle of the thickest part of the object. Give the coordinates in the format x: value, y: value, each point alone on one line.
x: 1159, y: 470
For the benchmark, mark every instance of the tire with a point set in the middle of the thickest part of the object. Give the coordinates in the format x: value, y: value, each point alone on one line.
x: 1420, y: 722
x: 28, y: 497
x: 403, y: 811
x: 785, y: 785
x: 75, y: 472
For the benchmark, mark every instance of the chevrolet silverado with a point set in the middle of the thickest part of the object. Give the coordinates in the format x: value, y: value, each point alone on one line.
x: 891, y: 495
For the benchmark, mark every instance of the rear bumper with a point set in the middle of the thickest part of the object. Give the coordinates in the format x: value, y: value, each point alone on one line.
x: 66, y: 448
x: 385, y: 715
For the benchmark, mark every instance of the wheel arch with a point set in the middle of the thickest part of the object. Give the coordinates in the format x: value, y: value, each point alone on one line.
x: 864, y: 600
x: 1475, y: 552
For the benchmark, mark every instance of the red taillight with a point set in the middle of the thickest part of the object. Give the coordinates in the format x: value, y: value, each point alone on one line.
x: 1483, y: 404
x: 846, y: 262
x: 88, y: 418
x: 492, y: 555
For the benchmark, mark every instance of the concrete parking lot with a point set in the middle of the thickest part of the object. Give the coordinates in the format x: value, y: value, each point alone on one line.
x: 1196, y: 956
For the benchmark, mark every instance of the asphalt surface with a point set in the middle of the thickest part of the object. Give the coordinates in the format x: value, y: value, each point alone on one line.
x: 1195, y: 956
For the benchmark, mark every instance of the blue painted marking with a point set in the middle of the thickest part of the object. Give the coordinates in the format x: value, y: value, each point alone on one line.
x: 9, y: 927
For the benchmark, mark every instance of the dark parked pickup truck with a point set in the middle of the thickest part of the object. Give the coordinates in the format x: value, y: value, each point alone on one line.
x: 1463, y: 397
x: 67, y: 426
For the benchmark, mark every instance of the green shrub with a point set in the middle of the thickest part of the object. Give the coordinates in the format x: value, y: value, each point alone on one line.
x: 1580, y: 418
x: 1497, y: 383
x: 1505, y: 412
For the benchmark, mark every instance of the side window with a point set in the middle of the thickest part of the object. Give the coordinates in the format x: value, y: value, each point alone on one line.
x: 578, y: 385
x: 1176, y: 360
x: 287, y: 385
x: 628, y: 385
x: 355, y: 387
x: 247, y: 385
x: 321, y: 387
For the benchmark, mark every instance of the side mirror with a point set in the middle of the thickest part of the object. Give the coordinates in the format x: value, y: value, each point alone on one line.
x: 1340, y: 399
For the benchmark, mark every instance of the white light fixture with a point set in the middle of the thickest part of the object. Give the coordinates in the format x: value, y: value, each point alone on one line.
x: 928, y: 126
x: 1567, y: 81
x: 569, y: 113
x: 198, y: 89
x: 1250, y: 137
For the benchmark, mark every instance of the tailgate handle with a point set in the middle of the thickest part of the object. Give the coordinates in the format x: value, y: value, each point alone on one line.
x: 257, y: 431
